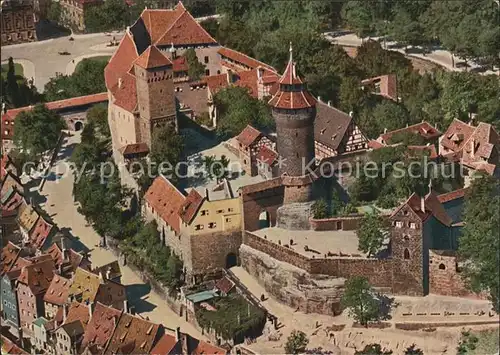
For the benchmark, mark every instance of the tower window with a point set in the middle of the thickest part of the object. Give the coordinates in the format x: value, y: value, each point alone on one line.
x: 207, y: 72
x: 206, y: 59
x: 406, y: 254
x: 442, y: 267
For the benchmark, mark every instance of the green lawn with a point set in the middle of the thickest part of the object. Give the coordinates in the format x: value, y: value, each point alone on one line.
x: 102, y: 58
x: 18, y: 68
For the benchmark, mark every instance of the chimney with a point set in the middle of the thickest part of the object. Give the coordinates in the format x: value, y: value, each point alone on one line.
x: 422, y: 204
x: 65, y: 312
x: 293, y: 70
x: 385, y: 130
x: 120, y: 83
x: 178, y: 333
x: 101, y: 277
x: 229, y: 76
x: 330, y: 104
x: 4, y: 108
x: 89, y: 305
x: 125, y: 306
x: 206, y: 194
x: 351, y: 113
x: 319, y: 98
x: 108, y: 273
x: 473, y: 147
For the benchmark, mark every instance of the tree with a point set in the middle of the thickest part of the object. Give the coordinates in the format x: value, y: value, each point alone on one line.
x: 296, y: 342
x: 209, y: 163
x: 361, y: 301
x: 373, y: 349
x: 478, y: 244
x: 54, y: 13
x: 320, y: 209
x: 12, y: 86
x: 371, y: 233
x: 87, y: 79
x: 359, y: 16
x: 166, y: 147
x: 98, y: 116
x: 174, y: 267
x: 413, y: 350
x: 385, y: 115
x: 38, y: 130
x: 195, y: 69
x: 237, y: 109
x: 111, y: 15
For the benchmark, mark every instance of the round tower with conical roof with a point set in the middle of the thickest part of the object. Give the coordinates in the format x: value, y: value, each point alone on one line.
x: 294, y: 110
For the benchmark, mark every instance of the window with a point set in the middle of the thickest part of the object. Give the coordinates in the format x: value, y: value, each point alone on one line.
x: 413, y: 225
x: 230, y: 209
x: 204, y: 212
x: 406, y: 254
x: 220, y: 211
x: 399, y: 224
x: 212, y: 225
x: 406, y: 238
x: 228, y: 219
x: 207, y: 72
x: 198, y: 227
x: 442, y: 267
x: 206, y: 59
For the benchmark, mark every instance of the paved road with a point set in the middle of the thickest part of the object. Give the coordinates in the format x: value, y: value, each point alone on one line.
x: 42, y: 59
x: 60, y: 206
x: 45, y: 59
x: 440, y: 57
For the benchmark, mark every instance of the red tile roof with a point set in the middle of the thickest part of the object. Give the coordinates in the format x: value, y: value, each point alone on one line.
x: 373, y: 144
x: 56, y: 254
x: 10, y: 115
x: 432, y: 205
x: 248, y: 136
x: 290, y: 76
x: 456, y: 135
x: 388, y: 85
x: 166, y: 200
x: 180, y: 64
x: 138, y: 148
x: 423, y: 129
x: 225, y: 285
x: 38, y: 276
x: 40, y: 232
x: 152, y: 58
x: 132, y: 335
x: 216, y: 82
x: 101, y: 326
x: 185, y: 31
x: 452, y: 195
x: 190, y: 206
x: 165, y: 345
x: 8, y: 347
x: 10, y: 253
x: 292, y: 100
x: 121, y: 61
x: 242, y: 59
x: 205, y: 348
x: 266, y: 155
x: 78, y: 312
x: 111, y: 294
x: 125, y: 93
x: 58, y: 291
x: 157, y: 21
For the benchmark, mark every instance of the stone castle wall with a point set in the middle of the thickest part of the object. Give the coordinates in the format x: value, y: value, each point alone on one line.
x: 293, y: 286
x: 210, y: 251
x: 378, y: 272
x: 445, y: 278
x: 332, y: 224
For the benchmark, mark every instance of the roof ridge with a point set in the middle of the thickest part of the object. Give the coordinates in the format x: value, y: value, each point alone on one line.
x: 172, y: 25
